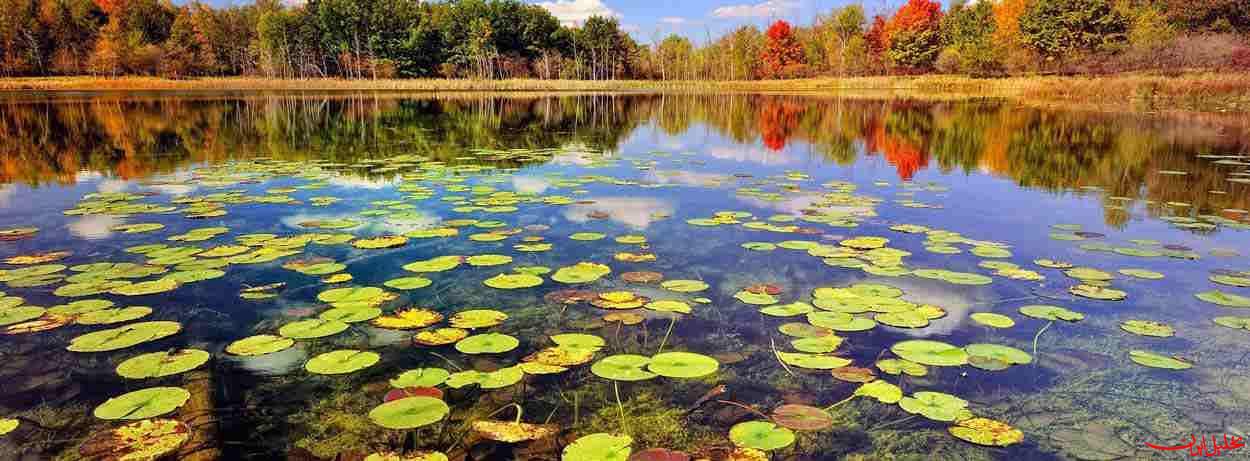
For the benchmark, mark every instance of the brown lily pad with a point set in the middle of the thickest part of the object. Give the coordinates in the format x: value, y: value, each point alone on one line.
x: 802, y: 417
x: 659, y: 454
x: 513, y: 432
x: 571, y: 296
x: 396, y: 394
x: 642, y: 277
x: 854, y: 374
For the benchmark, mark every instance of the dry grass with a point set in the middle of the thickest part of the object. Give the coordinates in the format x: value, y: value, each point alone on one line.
x: 1198, y: 92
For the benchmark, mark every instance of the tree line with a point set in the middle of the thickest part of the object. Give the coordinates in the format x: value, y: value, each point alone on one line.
x: 494, y: 39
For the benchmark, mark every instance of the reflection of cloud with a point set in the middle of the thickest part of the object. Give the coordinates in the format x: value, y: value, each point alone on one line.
x: 112, y: 185
x: 175, y: 184
x: 274, y: 364
x: 635, y: 212
x: 355, y: 182
x: 765, y: 9
x: 689, y: 178
x: 573, y: 12
x: 367, y: 225
x: 748, y: 154
x: 958, y: 303
x: 94, y: 227
x: 529, y: 184
x: 7, y: 192
x: 796, y: 204
x: 573, y: 158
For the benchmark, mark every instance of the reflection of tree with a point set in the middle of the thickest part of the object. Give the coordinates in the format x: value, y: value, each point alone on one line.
x: 131, y: 136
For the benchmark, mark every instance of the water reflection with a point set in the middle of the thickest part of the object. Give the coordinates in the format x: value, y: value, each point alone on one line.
x: 127, y: 136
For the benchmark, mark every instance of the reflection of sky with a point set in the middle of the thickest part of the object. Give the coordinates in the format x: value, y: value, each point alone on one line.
x: 529, y: 184
x: 635, y: 212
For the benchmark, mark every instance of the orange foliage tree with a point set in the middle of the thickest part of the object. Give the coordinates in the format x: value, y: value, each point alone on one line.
x: 913, y: 35
x: 783, y: 55
x: 1007, y: 31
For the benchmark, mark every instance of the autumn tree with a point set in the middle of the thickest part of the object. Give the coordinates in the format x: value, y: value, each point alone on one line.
x: 913, y: 35
x: 1058, y: 29
x: 782, y: 56
x: 968, y: 33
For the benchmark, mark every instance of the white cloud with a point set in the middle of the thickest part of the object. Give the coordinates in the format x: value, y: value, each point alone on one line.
x: 112, y: 185
x: 674, y: 20
x: 573, y: 12
x: 766, y: 9
x: 529, y: 184
x: 635, y: 212
x: 94, y: 227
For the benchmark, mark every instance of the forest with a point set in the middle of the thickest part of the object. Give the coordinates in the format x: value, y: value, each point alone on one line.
x: 503, y: 39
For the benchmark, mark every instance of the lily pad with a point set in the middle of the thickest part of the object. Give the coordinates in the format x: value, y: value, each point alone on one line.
x: 991, y: 319
x: 623, y: 367
x: 1142, y: 274
x: 902, y: 366
x: 881, y: 390
x: 477, y: 318
x: 513, y: 281
x: 1046, y: 312
x: 813, y: 361
x: 583, y: 272
x: 341, y: 362
x: 439, y: 336
x: 1098, y: 292
x: 408, y: 319
x: 409, y: 413
x: 488, y: 343
x: 682, y: 365
x: 1238, y: 323
x: 987, y: 432
x: 936, y: 406
x: 437, y: 264
x: 11, y: 315
x: 1006, y: 354
x: 259, y: 345
x: 598, y: 447
x: 513, y: 432
x: 164, y: 363
x: 1148, y: 328
x: 488, y: 260
x: 802, y: 417
x: 928, y: 352
x: 761, y: 435
x: 148, y: 439
x: 143, y: 403
x: 408, y: 283
x: 123, y: 337
x: 684, y: 286
x: 1153, y: 360
x: 1224, y: 299
x: 312, y: 328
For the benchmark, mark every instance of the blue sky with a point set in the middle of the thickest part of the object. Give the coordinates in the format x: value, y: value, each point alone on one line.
x: 696, y: 19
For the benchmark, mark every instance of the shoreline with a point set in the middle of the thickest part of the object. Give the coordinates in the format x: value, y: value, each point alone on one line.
x: 1195, y: 92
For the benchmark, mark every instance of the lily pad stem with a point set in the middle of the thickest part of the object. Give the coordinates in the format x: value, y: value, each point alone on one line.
x: 1039, y: 335
x: 616, y: 389
x: 777, y: 355
x: 449, y: 362
x: 891, y: 423
x: 666, y: 333
x: 848, y: 399
x: 744, y: 407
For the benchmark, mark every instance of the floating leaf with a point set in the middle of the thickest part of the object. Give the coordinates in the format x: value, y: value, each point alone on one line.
x: 123, y: 337
x: 420, y: 377
x: 788, y: 310
x: 682, y: 365
x: 759, y: 299
x: 1224, y: 299
x: 1148, y: 328
x: 813, y: 361
x: 817, y: 345
x: 409, y: 413
x: 488, y: 343
x: 897, y: 366
x: 341, y: 362
x: 513, y: 281
x: 1097, y: 292
x: 148, y: 439
x: 991, y: 319
x: 164, y: 363
x: 146, y: 288
x: 386, y: 241
x: 936, y: 406
x: 802, y: 417
x: 583, y: 272
x: 11, y: 315
x: 1153, y: 360
x: 880, y: 390
x: 854, y: 374
x: 259, y: 345
x: 143, y: 403
x: 477, y: 318
x: 1238, y: 323
x: 439, y: 336
x: 987, y: 432
x: 408, y: 319
x: 623, y: 367
x: 1006, y: 354
x: 930, y: 353
x: 761, y: 435
x: 438, y: 264
x: 513, y: 432
x: 1142, y: 274
x: 598, y: 447
x: 1045, y: 312
x: 414, y: 456
x: 684, y: 286
x: 488, y: 260
x: 312, y: 328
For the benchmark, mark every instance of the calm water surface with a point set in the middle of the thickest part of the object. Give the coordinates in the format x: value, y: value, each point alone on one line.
x: 898, y: 220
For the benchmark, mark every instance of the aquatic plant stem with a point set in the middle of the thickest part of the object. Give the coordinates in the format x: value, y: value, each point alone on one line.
x: 777, y: 355
x: 616, y: 389
x: 891, y: 423
x: 671, y: 322
x: 449, y: 362
x: 1039, y: 335
x: 848, y: 399
x: 744, y: 407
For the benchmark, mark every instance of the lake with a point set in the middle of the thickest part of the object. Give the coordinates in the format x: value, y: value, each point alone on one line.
x: 392, y: 276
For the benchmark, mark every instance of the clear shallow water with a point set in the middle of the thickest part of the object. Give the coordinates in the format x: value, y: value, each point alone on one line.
x: 793, y: 168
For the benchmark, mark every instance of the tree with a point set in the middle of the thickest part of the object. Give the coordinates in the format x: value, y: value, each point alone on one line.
x: 968, y: 33
x: 1059, y: 28
x: 848, y: 35
x: 782, y: 56
x: 913, y: 35
x: 675, y: 54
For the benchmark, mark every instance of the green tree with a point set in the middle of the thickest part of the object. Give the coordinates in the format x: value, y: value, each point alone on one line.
x: 1058, y: 29
x: 675, y: 53
x: 968, y: 34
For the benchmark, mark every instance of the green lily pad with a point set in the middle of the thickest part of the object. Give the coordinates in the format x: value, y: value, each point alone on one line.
x: 683, y: 286
x: 1097, y: 292
x: 487, y: 343
x: 1142, y: 274
x: 1006, y: 354
x: 123, y: 337
x: 991, y: 319
x: 813, y: 361
x: 1224, y: 299
x: 420, y: 377
x: 312, y: 328
x: 761, y: 435
x: 11, y: 315
x: 143, y: 403
x: 668, y: 305
x: 817, y: 345
x: 759, y: 246
x: 587, y: 236
x: 164, y: 363
x: 901, y: 366
x: 1230, y: 280
x: 1148, y: 328
x: 259, y: 345
x: 928, y: 352
x: 957, y: 278
x: 881, y: 390
x: 579, y: 341
x: 788, y: 310
x: 351, y: 295
x: 146, y: 288
x: 802, y: 417
x: 341, y: 362
x: 1045, y: 312
x: 1237, y: 323
x: 599, y: 447
x: 409, y: 412
x: 513, y: 281
x: 350, y: 315
x: 986, y: 432
x: 408, y: 283
x: 1153, y: 360
x: 477, y: 318
x: 905, y: 319
x: 936, y: 406
x: 583, y: 272
x: 488, y: 260
x: 8, y: 425
x: 682, y: 365
x: 623, y: 367
x: 759, y: 299
x: 438, y: 264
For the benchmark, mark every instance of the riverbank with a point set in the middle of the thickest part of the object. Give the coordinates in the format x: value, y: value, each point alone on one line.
x: 1192, y: 92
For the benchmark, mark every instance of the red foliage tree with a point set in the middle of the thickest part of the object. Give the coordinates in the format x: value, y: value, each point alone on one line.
x: 783, y: 55
x: 877, y: 36
x: 777, y: 122
x: 915, y: 15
